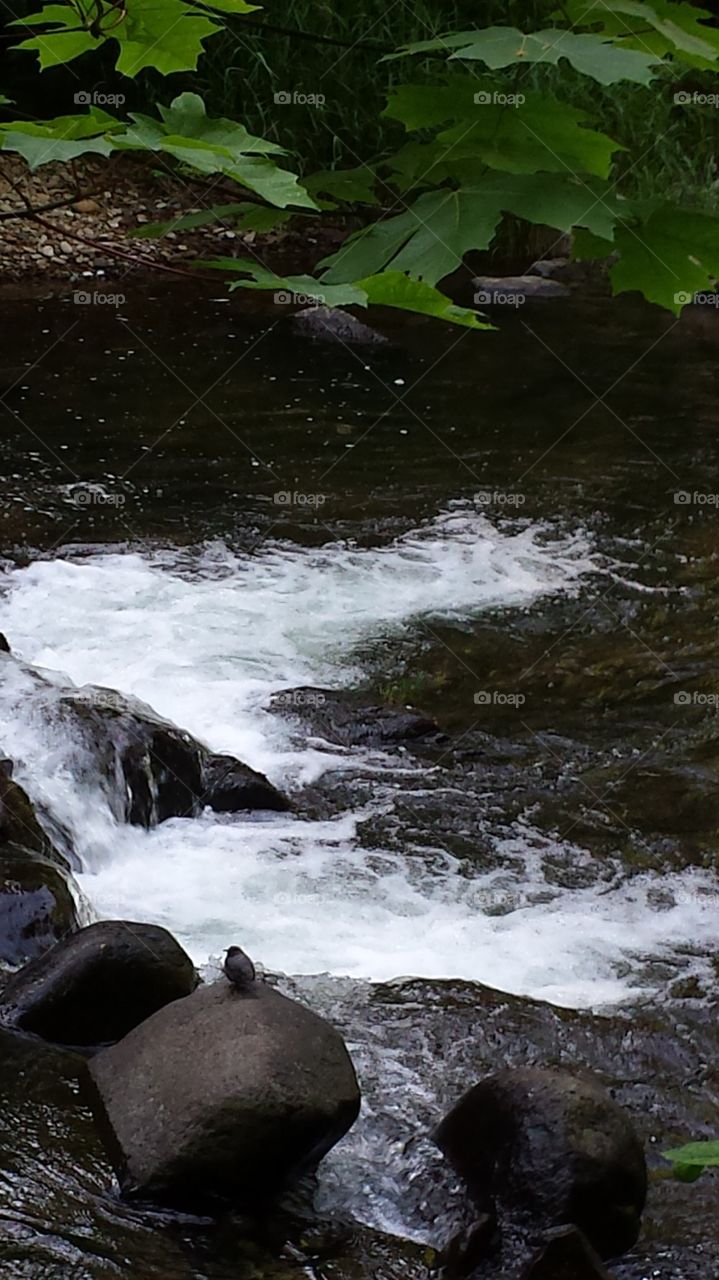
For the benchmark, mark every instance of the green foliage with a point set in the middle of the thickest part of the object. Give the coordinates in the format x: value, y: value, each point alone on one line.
x: 533, y: 137
x: 243, y: 216
x: 215, y: 146
x: 168, y: 35
x: 183, y: 132
x: 592, y: 55
x: 691, y: 1160
x: 355, y: 186
x: 668, y: 257
x: 536, y: 134
x: 390, y: 289
x: 662, y: 27
x: 431, y: 238
x: 62, y: 138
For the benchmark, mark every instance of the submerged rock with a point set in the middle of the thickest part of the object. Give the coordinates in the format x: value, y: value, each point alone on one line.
x: 95, y: 986
x: 343, y: 718
x: 229, y: 786
x: 223, y: 1095
x: 552, y: 1148
x: 332, y: 324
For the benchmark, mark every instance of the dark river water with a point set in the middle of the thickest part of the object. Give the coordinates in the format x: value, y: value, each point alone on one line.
x: 516, y: 532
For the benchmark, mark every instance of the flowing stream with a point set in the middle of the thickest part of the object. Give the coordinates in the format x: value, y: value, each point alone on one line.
x: 536, y: 849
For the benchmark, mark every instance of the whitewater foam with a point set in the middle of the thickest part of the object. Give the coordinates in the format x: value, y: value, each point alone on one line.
x: 206, y: 638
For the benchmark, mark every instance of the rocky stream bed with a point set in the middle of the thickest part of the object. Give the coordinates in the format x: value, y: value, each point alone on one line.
x: 442, y: 762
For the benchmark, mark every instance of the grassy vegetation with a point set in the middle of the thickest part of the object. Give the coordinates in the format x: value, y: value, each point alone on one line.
x: 244, y: 69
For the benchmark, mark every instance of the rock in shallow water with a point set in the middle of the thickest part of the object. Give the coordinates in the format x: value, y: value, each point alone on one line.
x: 95, y: 986
x: 343, y: 717
x: 223, y: 1095
x: 150, y: 768
x: 37, y: 905
x: 552, y: 1148
x: 230, y: 786
x: 332, y: 324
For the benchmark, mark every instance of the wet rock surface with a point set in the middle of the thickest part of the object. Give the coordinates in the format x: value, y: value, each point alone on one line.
x: 37, y: 906
x: 414, y: 1043
x: 502, y: 290
x: 347, y: 719
x: 228, y: 786
x: 332, y: 324
x: 19, y: 825
x: 95, y: 986
x: 554, y: 1148
x: 150, y: 768
x: 224, y: 1095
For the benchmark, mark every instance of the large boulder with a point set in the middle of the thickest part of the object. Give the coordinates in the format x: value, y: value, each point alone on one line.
x: 223, y: 1094
x: 152, y: 769
x: 552, y: 1148
x: 37, y: 905
x: 149, y: 767
x: 95, y: 986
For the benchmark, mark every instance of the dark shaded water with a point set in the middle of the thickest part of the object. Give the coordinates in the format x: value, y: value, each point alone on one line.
x: 578, y: 793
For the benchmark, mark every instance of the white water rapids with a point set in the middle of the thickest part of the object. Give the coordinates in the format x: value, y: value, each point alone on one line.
x: 206, y: 640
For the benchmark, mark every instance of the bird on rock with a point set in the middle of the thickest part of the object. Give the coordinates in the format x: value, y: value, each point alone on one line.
x: 239, y: 969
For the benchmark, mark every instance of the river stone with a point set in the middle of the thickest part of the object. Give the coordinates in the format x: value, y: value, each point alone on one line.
x: 553, y: 1148
x: 154, y: 768
x: 230, y: 786
x: 162, y: 771
x: 332, y: 324
x: 343, y: 717
x: 94, y: 987
x: 36, y: 905
x: 223, y: 1094
x: 502, y: 289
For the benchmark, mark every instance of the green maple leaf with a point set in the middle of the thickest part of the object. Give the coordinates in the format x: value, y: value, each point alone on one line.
x: 429, y: 240
x: 537, y: 133
x: 668, y: 257
x: 661, y: 27
x: 592, y: 55
x: 394, y: 289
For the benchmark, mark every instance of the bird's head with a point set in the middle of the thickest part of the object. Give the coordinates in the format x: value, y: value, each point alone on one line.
x: 233, y: 951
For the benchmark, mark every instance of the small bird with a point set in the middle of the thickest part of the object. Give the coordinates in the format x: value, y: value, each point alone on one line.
x: 239, y: 969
